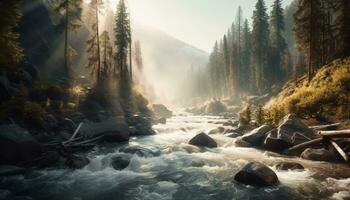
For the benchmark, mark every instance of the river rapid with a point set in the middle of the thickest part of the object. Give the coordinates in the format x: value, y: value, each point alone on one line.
x: 168, y: 168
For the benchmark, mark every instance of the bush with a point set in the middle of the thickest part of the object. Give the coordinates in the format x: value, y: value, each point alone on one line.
x: 260, y: 115
x: 245, y: 116
x: 215, y: 107
x: 274, y: 115
x: 33, y: 113
x: 55, y: 92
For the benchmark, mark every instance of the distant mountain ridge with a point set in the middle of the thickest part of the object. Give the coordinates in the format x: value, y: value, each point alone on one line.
x: 168, y: 61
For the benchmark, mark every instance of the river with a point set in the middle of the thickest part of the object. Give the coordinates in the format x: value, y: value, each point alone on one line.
x: 169, y: 168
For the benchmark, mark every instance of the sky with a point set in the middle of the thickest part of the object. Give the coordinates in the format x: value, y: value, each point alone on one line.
x: 196, y: 22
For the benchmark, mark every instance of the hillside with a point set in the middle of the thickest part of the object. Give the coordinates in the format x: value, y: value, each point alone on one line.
x: 325, y: 98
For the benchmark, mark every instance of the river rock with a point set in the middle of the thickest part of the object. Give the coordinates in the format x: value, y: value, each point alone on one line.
x: 289, y: 166
x: 9, y: 170
x: 142, y: 125
x: 203, y: 140
x: 232, y: 135
x: 228, y: 123
x: 257, y: 136
x: 274, y: 144
x: 291, y: 125
x: 161, y: 111
x: 77, y: 162
x: 161, y: 120
x: 218, y: 130
x: 318, y: 155
x: 120, y: 162
x: 17, y: 145
x: 256, y: 174
x: 142, y: 151
x: 112, y: 130
x: 241, y: 143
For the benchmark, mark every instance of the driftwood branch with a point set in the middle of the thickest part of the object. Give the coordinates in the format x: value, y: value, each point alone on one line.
x: 339, y: 150
x: 89, y: 141
x: 324, y: 127
x: 76, y: 132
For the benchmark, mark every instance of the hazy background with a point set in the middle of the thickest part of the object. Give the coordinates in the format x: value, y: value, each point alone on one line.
x: 197, y: 22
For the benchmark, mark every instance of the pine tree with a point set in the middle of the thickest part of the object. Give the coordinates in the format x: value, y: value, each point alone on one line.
x: 122, y: 40
x: 106, y: 54
x: 247, y: 72
x: 122, y: 51
x: 138, y: 56
x: 213, y: 70
x: 233, y: 60
x: 226, y: 54
x: 278, y: 43
x: 307, y: 29
x: 239, y: 24
x: 93, y: 44
x: 72, y: 14
x: 260, y: 38
x: 10, y: 50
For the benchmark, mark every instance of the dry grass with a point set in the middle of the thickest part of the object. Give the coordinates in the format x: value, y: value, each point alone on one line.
x: 327, y: 96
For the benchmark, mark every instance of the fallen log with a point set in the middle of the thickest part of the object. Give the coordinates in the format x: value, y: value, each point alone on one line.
x: 297, y: 149
x: 335, y: 134
x: 324, y: 127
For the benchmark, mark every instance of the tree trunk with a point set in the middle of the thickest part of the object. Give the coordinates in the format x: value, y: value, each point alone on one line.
x: 66, y: 67
x: 311, y: 43
x: 98, y: 44
x: 130, y: 57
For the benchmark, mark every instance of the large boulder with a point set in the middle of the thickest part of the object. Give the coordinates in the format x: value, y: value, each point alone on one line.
x: 290, y: 126
x: 203, y: 140
x: 161, y: 111
x: 257, y: 136
x: 17, y: 145
x: 256, y: 174
x: 318, y: 155
x: 112, y: 130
